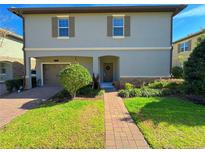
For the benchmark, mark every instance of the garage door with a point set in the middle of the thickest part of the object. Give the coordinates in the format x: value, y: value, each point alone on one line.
x: 50, y: 74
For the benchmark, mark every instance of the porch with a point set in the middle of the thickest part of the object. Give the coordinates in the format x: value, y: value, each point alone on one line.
x: 48, y: 68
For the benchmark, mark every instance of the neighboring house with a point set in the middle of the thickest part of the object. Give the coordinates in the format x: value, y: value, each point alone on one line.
x: 11, y: 57
x: 183, y: 48
x: 121, y: 43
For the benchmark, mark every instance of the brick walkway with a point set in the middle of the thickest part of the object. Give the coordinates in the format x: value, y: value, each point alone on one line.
x: 121, y: 131
x: 16, y: 104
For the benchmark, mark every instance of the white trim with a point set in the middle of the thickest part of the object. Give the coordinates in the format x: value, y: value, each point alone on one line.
x: 118, y: 37
x: 42, y: 63
x: 145, y: 76
x: 99, y: 48
x: 62, y: 16
x: 63, y: 37
x: 118, y: 15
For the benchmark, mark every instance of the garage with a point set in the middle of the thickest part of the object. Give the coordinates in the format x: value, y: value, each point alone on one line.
x: 51, y: 74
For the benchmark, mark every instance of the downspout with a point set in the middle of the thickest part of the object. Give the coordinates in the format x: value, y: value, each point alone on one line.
x: 24, y: 52
x: 171, y: 51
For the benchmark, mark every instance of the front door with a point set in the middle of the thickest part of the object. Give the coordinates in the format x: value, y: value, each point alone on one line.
x: 107, y: 72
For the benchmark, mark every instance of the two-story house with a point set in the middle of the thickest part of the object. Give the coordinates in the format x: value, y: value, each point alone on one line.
x: 11, y: 57
x: 183, y: 47
x: 120, y: 43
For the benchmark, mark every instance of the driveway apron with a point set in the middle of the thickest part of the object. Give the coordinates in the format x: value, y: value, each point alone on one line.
x: 16, y: 104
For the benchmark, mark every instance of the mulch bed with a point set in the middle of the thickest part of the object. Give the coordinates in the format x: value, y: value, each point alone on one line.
x: 195, y: 99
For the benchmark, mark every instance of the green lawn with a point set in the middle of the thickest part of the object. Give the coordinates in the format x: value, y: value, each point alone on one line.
x: 75, y: 124
x: 169, y: 122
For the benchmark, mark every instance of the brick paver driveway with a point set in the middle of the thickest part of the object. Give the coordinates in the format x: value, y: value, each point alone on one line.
x: 121, y: 131
x: 18, y: 103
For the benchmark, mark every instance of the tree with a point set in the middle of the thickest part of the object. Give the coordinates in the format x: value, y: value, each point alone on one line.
x: 3, y: 34
x: 181, y: 59
x: 73, y: 77
x: 194, y: 70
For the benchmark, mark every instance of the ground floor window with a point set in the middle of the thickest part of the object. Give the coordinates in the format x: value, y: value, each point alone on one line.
x: 4, y: 71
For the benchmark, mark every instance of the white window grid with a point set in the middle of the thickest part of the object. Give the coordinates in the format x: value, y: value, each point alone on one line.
x: 118, y: 26
x: 59, y: 27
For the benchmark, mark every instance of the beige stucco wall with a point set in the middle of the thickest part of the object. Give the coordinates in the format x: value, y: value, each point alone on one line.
x: 12, y: 53
x: 145, y: 53
x: 131, y: 63
x: 147, y: 30
x: 11, y: 48
x: 179, y: 58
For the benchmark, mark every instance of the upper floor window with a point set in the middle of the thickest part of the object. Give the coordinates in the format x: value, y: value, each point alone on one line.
x: 184, y: 46
x: 118, y: 26
x: 63, y: 27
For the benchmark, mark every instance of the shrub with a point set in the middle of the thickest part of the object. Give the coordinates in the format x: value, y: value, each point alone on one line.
x: 194, y: 70
x: 136, y: 92
x: 73, y: 77
x: 169, y: 92
x: 143, y: 92
x: 129, y: 86
x: 148, y: 92
x: 14, y: 84
x: 88, y: 91
x: 9, y: 86
x: 158, y: 84
x: 123, y: 93
x: 62, y: 96
x: 177, y: 72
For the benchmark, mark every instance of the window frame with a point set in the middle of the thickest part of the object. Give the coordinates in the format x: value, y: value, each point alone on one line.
x: 123, y: 27
x: 68, y: 27
x: 2, y: 79
x: 3, y: 67
x: 183, y: 46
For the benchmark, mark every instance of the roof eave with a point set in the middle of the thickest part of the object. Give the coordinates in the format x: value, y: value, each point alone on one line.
x: 189, y: 36
x: 168, y: 8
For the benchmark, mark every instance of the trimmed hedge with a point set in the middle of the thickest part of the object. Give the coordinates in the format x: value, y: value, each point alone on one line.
x: 73, y: 77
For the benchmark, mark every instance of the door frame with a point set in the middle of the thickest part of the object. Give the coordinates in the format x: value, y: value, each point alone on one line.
x: 49, y: 63
x: 112, y: 70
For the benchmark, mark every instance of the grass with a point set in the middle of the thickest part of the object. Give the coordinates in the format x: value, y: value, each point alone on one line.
x: 169, y: 122
x: 75, y: 124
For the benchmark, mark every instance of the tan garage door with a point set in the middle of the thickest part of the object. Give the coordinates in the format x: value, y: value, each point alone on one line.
x: 50, y: 74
